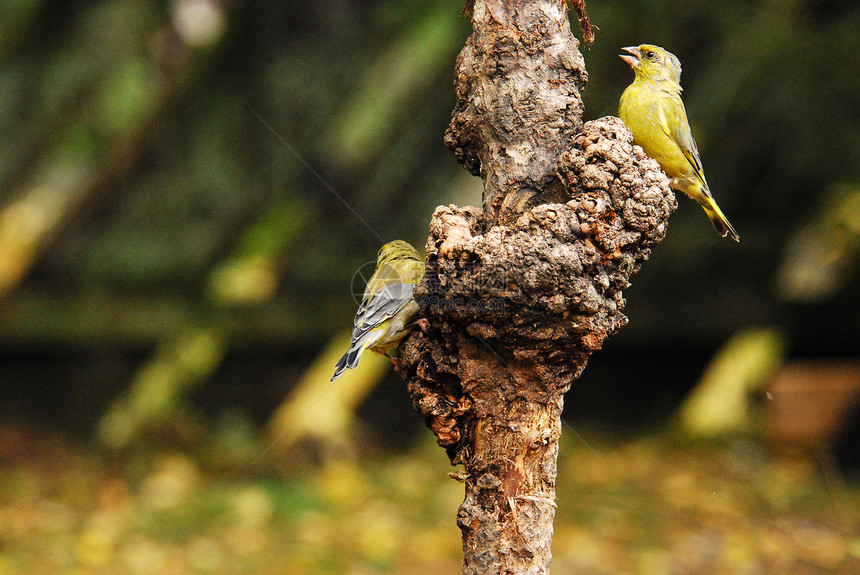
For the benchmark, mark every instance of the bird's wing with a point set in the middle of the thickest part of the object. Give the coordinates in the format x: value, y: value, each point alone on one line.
x: 681, y: 134
x: 382, y: 305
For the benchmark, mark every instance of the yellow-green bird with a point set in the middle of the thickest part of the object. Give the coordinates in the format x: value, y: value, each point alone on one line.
x: 653, y: 110
x: 387, y: 310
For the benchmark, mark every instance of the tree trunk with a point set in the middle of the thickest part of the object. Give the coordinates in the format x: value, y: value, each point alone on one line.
x: 520, y: 293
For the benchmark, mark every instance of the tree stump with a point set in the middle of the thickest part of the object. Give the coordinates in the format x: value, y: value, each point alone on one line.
x: 519, y: 293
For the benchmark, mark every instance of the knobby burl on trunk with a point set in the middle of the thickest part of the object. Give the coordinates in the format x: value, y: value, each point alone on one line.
x: 520, y: 292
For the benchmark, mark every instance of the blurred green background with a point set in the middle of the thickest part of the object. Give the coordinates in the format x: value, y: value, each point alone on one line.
x: 191, y: 191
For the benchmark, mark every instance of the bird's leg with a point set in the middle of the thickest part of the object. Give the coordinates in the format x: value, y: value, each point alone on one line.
x: 394, y: 363
x: 422, y: 324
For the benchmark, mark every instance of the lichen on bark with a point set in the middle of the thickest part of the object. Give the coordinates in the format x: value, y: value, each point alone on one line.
x: 520, y: 292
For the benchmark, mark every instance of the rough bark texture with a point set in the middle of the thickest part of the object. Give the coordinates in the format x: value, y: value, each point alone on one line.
x: 518, y: 106
x: 520, y: 293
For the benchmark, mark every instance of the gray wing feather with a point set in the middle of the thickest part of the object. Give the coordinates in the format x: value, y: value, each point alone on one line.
x: 382, y: 305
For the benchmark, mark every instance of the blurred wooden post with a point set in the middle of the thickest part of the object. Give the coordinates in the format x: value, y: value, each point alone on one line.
x: 519, y: 293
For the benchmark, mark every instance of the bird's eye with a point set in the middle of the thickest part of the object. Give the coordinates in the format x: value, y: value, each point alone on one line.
x: 650, y: 54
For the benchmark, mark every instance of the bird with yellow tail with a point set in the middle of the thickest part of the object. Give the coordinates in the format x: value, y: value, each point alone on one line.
x: 387, y: 310
x: 653, y: 110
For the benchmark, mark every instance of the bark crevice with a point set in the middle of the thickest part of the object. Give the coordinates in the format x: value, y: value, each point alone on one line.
x: 519, y: 293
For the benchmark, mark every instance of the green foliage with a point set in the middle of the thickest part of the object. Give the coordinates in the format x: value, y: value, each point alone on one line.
x: 142, y: 196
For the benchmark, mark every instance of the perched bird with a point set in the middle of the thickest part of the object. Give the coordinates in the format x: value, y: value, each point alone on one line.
x: 387, y: 308
x: 653, y: 110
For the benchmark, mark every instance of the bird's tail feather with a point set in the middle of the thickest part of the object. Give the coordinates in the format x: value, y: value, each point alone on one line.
x: 697, y: 189
x: 350, y: 359
x: 720, y: 221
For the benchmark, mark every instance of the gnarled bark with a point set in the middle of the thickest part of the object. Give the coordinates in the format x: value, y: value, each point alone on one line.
x: 520, y: 293
x: 518, y: 82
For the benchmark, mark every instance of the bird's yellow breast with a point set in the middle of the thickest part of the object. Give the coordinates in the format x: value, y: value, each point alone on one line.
x: 649, y: 111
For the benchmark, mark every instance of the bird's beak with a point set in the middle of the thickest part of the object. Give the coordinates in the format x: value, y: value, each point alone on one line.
x: 633, y: 58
